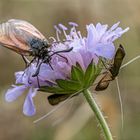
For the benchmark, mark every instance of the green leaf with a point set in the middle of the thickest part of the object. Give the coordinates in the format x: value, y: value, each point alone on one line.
x: 98, y: 67
x: 78, y: 81
x: 89, y: 75
x: 78, y: 66
x: 77, y: 74
x: 73, y: 74
x: 69, y: 84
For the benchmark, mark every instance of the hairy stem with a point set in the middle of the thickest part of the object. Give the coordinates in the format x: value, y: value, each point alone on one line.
x: 98, y: 114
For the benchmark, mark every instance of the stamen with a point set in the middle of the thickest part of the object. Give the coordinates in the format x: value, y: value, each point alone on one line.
x: 57, y: 33
x: 64, y: 28
x: 57, y: 29
x: 57, y: 36
x: 69, y: 38
x: 81, y: 39
x: 73, y: 24
x: 76, y: 35
x: 65, y: 34
x: 73, y: 31
x: 79, y: 34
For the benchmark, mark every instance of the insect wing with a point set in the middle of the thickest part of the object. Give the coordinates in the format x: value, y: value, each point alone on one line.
x: 113, y: 71
x: 17, y: 35
x: 55, y: 99
x: 104, y: 82
x: 24, y: 26
x: 120, y: 54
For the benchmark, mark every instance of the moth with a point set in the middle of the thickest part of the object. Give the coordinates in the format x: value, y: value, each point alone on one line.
x: 109, y: 76
x: 23, y: 38
x: 113, y: 71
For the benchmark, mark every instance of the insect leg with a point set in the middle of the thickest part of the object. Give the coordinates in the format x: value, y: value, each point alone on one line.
x: 62, y: 51
x: 50, y: 65
x: 48, y: 60
x: 38, y: 69
x: 38, y: 81
x: 31, y: 61
x: 104, y: 64
x: 25, y: 60
x: 37, y: 62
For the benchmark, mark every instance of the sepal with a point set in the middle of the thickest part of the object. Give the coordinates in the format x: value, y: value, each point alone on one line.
x: 78, y: 81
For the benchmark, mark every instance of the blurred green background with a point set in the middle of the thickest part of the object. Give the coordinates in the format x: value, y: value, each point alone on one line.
x: 75, y: 120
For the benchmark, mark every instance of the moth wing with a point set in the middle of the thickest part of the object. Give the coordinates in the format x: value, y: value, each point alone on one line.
x: 118, y: 59
x: 8, y: 44
x: 104, y: 82
x: 17, y: 35
x: 55, y: 99
x: 21, y: 25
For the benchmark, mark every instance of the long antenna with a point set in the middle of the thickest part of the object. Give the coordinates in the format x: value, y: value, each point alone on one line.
x: 56, y: 108
x: 121, y: 104
x: 129, y: 62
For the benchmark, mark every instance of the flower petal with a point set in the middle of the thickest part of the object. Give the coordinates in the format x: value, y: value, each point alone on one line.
x: 105, y: 50
x: 28, y: 107
x: 114, y: 26
x: 13, y: 93
x: 92, y: 36
x: 19, y: 77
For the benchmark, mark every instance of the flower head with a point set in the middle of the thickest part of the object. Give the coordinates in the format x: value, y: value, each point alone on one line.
x: 65, y: 67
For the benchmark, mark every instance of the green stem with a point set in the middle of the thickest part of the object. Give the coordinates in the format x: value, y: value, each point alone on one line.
x: 98, y: 114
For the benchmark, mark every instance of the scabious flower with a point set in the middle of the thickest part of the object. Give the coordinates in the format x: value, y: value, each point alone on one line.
x: 99, y: 42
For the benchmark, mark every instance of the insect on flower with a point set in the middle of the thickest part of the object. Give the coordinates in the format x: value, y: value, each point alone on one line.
x: 113, y: 71
x: 24, y: 39
x: 109, y: 75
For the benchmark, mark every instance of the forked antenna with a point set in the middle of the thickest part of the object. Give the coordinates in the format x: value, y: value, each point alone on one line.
x: 56, y: 108
x: 129, y: 62
x: 121, y: 104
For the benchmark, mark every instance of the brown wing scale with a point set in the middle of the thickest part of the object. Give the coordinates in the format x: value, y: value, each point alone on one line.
x: 17, y: 34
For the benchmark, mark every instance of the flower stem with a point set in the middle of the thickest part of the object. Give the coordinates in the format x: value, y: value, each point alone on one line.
x: 98, y: 114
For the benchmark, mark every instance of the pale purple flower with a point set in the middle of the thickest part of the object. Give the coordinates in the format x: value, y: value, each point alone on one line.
x: 98, y: 42
x: 28, y: 107
x: 13, y: 93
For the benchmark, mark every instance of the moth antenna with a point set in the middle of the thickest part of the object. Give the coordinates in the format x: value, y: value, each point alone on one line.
x: 58, y: 121
x: 51, y: 112
x: 56, y: 108
x: 131, y: 61
x: 121, y: 104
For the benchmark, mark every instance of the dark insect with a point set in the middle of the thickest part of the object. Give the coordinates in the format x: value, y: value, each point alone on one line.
x: 24, y: 39
x: 113, y: 71
x: 55, y: 99
x: 109, y: 75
